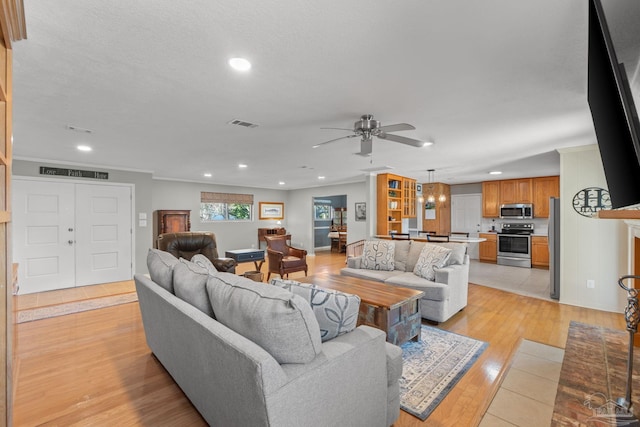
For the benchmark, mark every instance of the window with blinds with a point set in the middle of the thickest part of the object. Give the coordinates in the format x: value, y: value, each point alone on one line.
x: 225, y: 207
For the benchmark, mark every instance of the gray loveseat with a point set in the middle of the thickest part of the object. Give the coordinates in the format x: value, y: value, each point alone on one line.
x: 443, y: 297
x: 233, y: 372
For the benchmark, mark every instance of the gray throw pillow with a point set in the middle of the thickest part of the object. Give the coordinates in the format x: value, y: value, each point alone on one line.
x: 160, y: 265
x: 431, y: 257
x: 204, y: 262
x: 278, y: 321
x: 458, y: 251
x: 336, y: 312
x: 189, y: 284
x: 378, y: 255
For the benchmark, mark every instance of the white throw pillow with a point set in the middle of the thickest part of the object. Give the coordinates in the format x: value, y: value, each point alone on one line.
x: 336, y: 312
x: 378, y: 255
x: 431, y: 257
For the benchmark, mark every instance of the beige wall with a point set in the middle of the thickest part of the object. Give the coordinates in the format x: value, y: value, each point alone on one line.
x: 591, y: 248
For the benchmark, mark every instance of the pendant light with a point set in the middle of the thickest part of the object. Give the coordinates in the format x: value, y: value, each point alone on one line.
x: 431, y: 197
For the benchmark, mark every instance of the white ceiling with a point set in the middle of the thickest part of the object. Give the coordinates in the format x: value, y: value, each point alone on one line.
x: 497, y: 84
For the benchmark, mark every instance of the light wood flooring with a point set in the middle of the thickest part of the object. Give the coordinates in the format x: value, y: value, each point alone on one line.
x: 94, y: 368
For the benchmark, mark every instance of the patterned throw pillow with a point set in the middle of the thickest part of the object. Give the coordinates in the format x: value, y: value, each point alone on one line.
x: 431, y: 257
x: 205, y: 262
x: 336, y: 312
x: 378, y: 255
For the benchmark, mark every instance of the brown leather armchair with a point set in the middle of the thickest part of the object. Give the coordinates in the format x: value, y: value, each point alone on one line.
x: 284, y: 259
x: 187, y: 244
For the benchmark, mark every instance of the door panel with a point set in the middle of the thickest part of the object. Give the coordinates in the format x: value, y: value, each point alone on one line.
x: 103, y: 230
x: 43, y: 221
x: 466, y: 216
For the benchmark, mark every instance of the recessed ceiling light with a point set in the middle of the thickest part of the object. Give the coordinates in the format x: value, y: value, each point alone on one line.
x: 242, y: 166
x: 321, y: 177
x: 281, y: 183
x: 427, y: 143
x: 495, y: 173
x: 84, y: 148
x: 207, y: 175
x: 240, y: 64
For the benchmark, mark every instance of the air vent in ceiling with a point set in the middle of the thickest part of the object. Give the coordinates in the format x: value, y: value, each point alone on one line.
x: 78, y: 129
x: 242, y: 123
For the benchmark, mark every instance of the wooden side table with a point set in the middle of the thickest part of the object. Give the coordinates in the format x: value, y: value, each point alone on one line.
x: 247, y: 255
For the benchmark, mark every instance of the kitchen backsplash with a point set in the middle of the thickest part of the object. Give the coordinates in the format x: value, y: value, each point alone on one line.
x: 540, y: 225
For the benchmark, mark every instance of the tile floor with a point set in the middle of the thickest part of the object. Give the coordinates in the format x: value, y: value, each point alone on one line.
x: 531, y: 282
x: 528, y: 392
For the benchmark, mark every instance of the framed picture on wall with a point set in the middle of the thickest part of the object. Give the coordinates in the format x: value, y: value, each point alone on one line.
x: 271, y: 210
x: 361, y: 211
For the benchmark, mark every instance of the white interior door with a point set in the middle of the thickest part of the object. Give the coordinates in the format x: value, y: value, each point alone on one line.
x: 43, y: 235
x: 71, y: 234
x: 103, y: 234
x: 466, y: 216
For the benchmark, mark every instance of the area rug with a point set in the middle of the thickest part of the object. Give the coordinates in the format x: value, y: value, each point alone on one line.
x: 39, y: 313
x: 432, y: 366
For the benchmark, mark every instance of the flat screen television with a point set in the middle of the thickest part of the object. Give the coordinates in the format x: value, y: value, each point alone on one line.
x: 614, y: 115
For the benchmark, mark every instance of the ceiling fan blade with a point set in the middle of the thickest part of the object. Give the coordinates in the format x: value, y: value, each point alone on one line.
x: 333, y: 140
x: 402, y: 139
x: 349, y: 130
x: 396, y: 127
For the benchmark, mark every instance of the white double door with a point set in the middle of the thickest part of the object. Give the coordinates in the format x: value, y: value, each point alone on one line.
x: 70, y: 234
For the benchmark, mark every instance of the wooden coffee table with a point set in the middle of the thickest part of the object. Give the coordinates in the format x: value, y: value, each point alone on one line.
x: 390, y: 308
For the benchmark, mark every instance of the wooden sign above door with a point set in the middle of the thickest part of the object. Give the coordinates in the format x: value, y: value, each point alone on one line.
x: 76, y: 173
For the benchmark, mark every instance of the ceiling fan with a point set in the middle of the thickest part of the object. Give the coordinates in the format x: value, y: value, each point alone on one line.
x: 366, y: 128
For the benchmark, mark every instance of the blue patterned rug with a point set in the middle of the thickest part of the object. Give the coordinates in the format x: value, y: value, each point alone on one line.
x: 433, y: 366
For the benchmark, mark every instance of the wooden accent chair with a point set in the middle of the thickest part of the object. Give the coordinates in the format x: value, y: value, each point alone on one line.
x: 284, y: 259
x: 186, y: 244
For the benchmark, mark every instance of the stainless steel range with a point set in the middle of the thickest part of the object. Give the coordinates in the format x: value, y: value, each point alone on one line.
x: 514, y: 244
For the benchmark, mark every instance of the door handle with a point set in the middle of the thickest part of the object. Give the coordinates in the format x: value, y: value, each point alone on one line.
x: 70, y: 229
x: 71, y: 242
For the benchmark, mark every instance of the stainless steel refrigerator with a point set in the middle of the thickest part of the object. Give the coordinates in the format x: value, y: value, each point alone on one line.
x: 554, y: 247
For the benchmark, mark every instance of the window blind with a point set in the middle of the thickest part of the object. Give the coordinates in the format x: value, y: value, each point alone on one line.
x: 208, y: 197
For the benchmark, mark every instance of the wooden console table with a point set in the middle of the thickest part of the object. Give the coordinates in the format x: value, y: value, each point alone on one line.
x: 594, y: 376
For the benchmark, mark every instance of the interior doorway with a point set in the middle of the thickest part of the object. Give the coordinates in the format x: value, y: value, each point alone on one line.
x: 328, y: 212
x: 68, y: 234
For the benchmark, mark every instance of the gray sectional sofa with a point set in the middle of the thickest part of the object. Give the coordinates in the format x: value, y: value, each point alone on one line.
x: 444, y: 296
x: 250, y: 354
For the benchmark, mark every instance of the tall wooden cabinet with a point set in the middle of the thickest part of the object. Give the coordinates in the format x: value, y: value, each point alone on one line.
x: 441, y: 224
x: 389, y: 203
x: 408, y: 197
x: 170, y: 221
x: 544, y: 188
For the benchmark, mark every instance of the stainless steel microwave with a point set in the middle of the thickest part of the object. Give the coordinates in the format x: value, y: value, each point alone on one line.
x: 516, y: 211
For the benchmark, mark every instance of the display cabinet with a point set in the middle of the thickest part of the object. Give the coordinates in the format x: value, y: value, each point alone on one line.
x: 170, y: 221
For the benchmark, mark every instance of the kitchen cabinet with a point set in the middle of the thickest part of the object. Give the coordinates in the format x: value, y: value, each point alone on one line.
x: 408, y: 198
x: 543, y: 188
x: 491, y: 199
x: 389, y: 203
x: 170, y: 221
x: 489, y: 248
x: 516, y: 191
x: 539, y: 251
